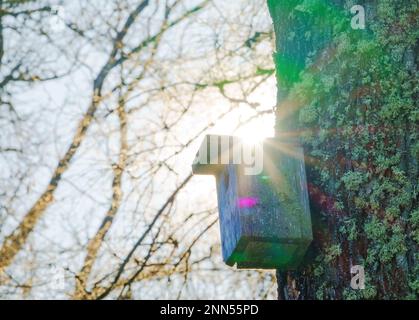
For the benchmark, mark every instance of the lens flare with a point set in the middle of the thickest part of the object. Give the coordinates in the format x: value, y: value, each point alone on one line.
x: 247, y: 202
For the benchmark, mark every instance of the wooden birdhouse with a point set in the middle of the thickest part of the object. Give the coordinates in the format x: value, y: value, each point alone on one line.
x: 263, y: 207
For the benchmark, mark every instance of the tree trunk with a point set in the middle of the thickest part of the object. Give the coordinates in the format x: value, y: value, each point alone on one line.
x: 350, y: 96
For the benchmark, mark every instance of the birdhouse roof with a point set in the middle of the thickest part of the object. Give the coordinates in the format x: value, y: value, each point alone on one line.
x: 215, y: 152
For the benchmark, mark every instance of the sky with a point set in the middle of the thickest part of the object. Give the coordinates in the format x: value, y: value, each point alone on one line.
x: 52, y: 109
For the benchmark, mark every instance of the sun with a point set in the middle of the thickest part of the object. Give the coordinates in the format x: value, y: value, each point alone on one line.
x: 257, y: 129
x: 248, y: 126
x: 253, y: 121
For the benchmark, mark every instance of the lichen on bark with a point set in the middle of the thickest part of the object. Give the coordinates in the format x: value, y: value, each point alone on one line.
x: 353, y: 95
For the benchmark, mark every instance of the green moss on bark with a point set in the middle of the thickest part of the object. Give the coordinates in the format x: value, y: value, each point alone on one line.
x: 358, y: 120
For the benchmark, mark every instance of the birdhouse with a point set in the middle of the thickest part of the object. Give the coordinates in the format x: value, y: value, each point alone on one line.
x: 263, y: 202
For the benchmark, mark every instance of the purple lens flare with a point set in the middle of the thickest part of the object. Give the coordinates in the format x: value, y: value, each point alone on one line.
x: 247, y: 202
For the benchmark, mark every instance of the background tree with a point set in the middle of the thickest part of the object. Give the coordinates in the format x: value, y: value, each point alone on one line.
x: 101, y: 189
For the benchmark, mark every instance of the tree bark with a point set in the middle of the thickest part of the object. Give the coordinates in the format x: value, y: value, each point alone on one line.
x: 359, y: 131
